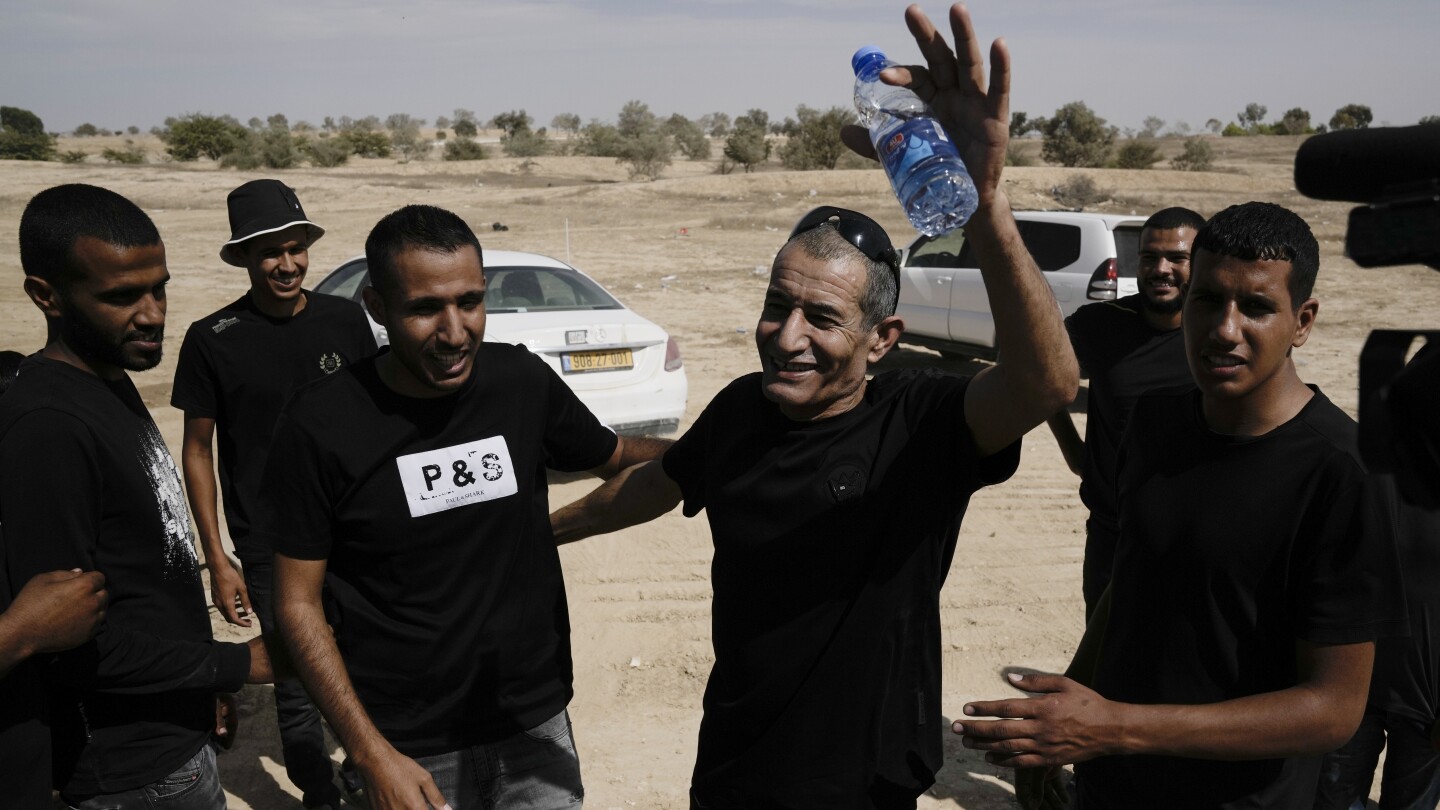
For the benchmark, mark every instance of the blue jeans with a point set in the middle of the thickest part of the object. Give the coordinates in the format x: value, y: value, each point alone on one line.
x: 302, y: 738
x: 1411, y: 778
x: 195, y: 785
x: 537, y: 769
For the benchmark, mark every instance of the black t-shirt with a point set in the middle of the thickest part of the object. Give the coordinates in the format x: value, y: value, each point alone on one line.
x: 238, y: 366
x: 1407, y: 670
x: 1123, y: 357
x: 87, y: 482
x: 832, y: 539
x: 443, y: 578
x: 1231, y: 549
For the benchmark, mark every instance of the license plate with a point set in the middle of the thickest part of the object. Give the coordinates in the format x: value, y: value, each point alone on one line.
x: 612, y: 360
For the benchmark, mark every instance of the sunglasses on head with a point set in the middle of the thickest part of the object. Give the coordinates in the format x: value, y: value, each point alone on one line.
x: 864, y: 233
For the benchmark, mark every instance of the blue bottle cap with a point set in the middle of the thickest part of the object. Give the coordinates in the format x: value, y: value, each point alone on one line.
x: 864, y: 57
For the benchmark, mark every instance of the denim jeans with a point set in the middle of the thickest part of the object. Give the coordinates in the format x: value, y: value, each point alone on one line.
x: 537, y: 769
x: 1411, y: 778
x: 302, y: 738
x: 195, y: 785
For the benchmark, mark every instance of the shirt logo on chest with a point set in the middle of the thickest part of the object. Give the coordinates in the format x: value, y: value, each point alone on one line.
x: 223, y: 324
x: 845, y: 482
x: 330, y: 362
x: 451, y: 477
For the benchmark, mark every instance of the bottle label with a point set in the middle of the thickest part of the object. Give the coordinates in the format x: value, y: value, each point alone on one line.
x: 911, y: 142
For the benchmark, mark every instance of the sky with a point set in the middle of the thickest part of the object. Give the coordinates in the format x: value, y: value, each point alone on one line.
x: 116, y: 64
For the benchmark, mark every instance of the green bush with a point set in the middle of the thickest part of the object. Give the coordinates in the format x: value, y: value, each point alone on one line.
x: 688, y: 136
x: 464, y: 149
x: 1233, y: 130
x: 598, y: 140
x: 366, y: 143
x: 747, y: 145
x: 814, y: 141
x: 1197, y: 157
x: 1015, y: 156
x: 73, y: 156
x: 327, y: 153
x: 193, y: 136
x: 465, y: 128
x: 86, y: 130
x: 1352, y: 116
x: 278, y: 149
x: 1076, y: 136
x: 647, y: 155
x: 1137, y: 153
x: 524, y: 143
x: 131, y: 155
x: 1078, y: 192
x: 23, y: 136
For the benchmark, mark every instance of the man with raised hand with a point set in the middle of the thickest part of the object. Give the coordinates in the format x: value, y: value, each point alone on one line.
x: 87, y: 482
x: 237, y: 367
x: 1256, y: 565
x: 1125, y: 347
x: 406, y: 499
x: 835, y: 500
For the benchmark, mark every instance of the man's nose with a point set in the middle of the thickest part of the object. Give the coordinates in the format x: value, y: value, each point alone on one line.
x: 793, y: 335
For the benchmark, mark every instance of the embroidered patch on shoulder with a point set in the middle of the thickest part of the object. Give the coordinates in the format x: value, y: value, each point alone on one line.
x: 451, y: 477
x: 223, y: 324
x: 330, y: 362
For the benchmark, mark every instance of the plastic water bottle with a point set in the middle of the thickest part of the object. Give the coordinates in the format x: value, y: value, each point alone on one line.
x: 925, y: 169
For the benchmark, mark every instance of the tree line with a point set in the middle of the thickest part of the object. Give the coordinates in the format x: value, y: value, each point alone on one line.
x: 642, y: 140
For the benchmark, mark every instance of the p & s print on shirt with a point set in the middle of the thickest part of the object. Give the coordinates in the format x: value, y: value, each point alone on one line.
x: 450, y: 477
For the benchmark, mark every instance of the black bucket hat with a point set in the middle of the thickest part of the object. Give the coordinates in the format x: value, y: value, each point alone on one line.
x: 260, y: 207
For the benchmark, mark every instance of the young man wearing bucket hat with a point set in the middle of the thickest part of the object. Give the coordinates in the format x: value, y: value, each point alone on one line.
x: 237, y: 367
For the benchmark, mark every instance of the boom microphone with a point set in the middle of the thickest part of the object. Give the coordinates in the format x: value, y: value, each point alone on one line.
x: 1369, y: 165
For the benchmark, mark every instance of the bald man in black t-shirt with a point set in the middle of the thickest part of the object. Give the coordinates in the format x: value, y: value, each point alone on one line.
x: 1125, y: 348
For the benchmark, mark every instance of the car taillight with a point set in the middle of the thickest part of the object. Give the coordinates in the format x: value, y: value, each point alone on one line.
x: 1105, y: 282
x: 672, y: 355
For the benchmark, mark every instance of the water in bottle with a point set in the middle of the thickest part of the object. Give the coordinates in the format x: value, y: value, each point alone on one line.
x: 924, y: 167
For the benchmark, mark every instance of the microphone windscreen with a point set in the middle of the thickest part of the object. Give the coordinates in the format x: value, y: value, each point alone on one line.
x: 1362, y: 165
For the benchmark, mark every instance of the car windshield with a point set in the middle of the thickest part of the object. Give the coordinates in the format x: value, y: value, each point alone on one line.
x: 531, y: 289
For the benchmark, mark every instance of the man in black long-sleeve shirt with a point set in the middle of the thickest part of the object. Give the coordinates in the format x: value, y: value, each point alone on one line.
x: 87, y: 482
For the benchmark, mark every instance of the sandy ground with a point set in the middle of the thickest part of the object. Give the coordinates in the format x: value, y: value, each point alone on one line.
x: 640, y: 598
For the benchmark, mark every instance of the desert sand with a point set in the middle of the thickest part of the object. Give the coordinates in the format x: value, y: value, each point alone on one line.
x: 639, y: 599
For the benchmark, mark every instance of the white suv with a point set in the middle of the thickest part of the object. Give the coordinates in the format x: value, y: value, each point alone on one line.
x: 1085, y: 257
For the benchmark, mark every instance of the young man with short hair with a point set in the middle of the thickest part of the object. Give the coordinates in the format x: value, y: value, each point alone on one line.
x: 1125, y: 347
x: 237, y: 367
x: 1255, y: 569
x: 87, y: 482
x: 410, y: 488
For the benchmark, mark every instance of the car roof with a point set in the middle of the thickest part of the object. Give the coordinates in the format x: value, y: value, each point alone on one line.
x: 506, y: 258
x: 1110, y: 220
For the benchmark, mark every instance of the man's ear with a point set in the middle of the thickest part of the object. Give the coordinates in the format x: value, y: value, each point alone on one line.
x: 374, y: 304
x: 1304, y: 321
x: 887, y: 334
x: 44, y: 295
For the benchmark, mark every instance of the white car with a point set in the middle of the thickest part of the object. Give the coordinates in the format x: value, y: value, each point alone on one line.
x: 1085, y: 257
x: 624, y: 368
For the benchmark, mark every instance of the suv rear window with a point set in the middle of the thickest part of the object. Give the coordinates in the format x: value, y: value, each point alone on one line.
x: 1053, y: 245
x: 1127, y: 250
